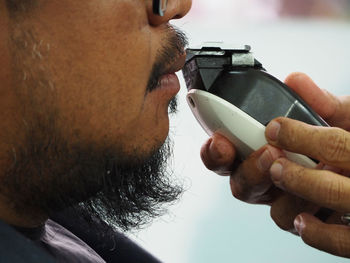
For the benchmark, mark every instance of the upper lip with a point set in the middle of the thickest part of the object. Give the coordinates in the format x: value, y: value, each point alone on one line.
x: 178, y: 63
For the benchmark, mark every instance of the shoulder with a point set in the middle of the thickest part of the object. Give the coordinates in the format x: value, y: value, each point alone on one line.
x: 14, y: 247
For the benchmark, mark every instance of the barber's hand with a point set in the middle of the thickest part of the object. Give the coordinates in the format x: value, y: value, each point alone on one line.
x: 330, y: 189
x: 250, y: 180
x: 329, y: 185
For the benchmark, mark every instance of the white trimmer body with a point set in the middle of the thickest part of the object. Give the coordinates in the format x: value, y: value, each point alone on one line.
x: 216, y: 115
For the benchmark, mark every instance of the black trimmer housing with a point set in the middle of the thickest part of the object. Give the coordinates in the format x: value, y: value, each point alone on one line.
x: 236, y: 76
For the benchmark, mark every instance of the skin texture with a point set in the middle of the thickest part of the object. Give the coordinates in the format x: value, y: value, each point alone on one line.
x: 77, y: 74
x: 109, y: 64
x: 295, y: 193
x: 80, y: 77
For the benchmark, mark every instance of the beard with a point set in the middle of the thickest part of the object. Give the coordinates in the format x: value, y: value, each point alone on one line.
x: 50, y: 174
x: 123, y: 191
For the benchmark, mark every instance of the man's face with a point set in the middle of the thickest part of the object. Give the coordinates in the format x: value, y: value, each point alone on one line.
x: 94, y: 81
x: 98, y: 57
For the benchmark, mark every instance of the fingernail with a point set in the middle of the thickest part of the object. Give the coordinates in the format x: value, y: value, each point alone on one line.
x: 265, y: 161
x: 272, y: 130
x: 213, y: 151
x: 299, y: 224
x: 276, y: 172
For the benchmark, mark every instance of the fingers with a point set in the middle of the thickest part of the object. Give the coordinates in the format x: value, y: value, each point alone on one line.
x: 322, y: 187
x: 328, y: 145
x: 218, y: 154
x: 332, y: 108
x: 334, y: 239
x: 321, y: 101
x: 285, y: 209
x: 251, y: 182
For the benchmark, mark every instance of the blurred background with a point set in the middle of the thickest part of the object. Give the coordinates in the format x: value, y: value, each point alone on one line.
x: 208, y: 224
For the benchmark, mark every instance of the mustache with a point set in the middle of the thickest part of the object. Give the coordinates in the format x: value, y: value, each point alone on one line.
x: 174, y: 46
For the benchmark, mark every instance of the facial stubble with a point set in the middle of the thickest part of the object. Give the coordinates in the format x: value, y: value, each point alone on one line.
x: 49, y: 173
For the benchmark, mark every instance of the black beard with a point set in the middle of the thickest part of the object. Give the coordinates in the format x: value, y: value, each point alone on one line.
x: 50, y: 174
x: 136, y: 191
x: 173, y: 106
x: 124, y: 191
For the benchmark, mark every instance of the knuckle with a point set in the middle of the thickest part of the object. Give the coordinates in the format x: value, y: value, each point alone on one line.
x: 247, y: 183
x: 334, y: 193
x: 238, y: 195
x: 236, y: 190
x: 279, y: 219
x: 238, y: 184
x: 239, y: 188
x: 210, y: 166
x: 334, y: 146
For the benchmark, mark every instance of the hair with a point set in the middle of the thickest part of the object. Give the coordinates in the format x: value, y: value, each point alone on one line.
x: 19, y: 7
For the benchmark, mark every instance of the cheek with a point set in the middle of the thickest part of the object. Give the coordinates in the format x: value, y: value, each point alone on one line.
x: 150, y: 130
x: 100, y: 75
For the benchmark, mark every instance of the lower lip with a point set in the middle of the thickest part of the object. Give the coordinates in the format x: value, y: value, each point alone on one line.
x: 170, y: 84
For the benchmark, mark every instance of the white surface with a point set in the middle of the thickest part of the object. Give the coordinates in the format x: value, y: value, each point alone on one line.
x: 208, y: 224
x: 216, y: 115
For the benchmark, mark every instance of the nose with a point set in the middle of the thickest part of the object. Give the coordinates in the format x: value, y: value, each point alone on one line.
x: 176, y: 9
